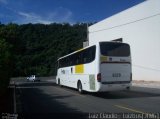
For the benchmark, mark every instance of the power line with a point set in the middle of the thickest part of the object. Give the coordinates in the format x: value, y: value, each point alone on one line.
x: 126, y: 23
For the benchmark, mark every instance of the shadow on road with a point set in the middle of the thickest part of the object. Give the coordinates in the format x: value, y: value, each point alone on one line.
x: 36, y: 100
x: 138, y: 93
x: 35, y: 103
x: 135, y: 92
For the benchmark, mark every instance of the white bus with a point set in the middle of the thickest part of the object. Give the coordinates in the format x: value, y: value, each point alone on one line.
x: 105, y: 66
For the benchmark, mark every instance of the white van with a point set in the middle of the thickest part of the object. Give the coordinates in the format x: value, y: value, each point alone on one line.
x: 33, y: 78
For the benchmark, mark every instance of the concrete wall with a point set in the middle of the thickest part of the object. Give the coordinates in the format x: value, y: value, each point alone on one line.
x: 140, y: 27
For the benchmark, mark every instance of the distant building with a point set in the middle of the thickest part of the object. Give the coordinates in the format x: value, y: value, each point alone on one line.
x: 140, y: 27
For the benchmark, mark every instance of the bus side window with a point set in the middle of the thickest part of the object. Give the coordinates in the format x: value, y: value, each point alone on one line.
x: 69, y: 61
x: 85, y: 57
x: 73, y: 58
x: 88, y: 56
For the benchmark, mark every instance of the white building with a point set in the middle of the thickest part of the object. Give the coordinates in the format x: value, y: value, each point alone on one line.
x: 140, y: 27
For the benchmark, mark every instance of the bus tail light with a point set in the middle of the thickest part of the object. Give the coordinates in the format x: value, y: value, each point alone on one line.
x: 99, y: 77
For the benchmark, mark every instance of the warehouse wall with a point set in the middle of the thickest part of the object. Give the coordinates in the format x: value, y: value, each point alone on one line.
x: 140, y: 27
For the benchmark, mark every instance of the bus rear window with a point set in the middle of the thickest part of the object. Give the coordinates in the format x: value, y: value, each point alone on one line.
x: 114, y: 49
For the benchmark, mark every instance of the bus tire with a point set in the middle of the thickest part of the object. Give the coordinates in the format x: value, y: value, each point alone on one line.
x: 79, y: 87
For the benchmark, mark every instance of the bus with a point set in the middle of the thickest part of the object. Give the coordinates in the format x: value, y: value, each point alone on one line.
x: 105, y: 66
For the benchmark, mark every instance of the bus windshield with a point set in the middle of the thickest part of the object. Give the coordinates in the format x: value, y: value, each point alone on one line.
x: 114, y: 49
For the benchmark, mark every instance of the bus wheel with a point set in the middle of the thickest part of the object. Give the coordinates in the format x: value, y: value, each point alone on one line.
x: 80, y: 90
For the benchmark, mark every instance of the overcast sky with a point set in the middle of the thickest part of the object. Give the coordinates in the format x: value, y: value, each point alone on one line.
x: 49, y: 11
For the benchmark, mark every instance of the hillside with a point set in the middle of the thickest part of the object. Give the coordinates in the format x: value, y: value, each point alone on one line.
x: 36, y: 47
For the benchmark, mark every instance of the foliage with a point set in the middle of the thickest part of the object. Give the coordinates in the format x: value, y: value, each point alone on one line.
x: 36, y: 47
x: 5, y: 64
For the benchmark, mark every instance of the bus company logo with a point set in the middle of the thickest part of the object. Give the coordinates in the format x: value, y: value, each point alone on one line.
x: 116, y: 75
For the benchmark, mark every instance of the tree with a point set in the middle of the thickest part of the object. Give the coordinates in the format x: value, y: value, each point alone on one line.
x: 5, y: 64
x: 36, y: 47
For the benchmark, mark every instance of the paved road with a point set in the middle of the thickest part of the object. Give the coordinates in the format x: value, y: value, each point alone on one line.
x: 47, y: 100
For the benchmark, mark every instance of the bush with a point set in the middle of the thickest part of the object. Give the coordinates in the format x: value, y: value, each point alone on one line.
x: 5, y: 65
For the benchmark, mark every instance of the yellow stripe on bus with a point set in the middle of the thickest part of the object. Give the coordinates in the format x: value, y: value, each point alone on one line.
x: 104, y: 58
x: 80, y: 50
x: 79, y: 68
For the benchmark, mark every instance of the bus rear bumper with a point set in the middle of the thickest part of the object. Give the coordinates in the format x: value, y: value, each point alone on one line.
x: 114, y: 87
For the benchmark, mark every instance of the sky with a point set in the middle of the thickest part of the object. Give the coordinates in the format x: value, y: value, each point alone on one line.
x: 60, y: 11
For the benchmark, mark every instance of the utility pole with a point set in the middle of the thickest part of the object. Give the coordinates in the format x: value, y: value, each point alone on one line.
x: 86, y: 43
x: 87, y: 34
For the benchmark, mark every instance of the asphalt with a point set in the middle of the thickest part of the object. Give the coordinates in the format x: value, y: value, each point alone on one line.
x: 47, y: 100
